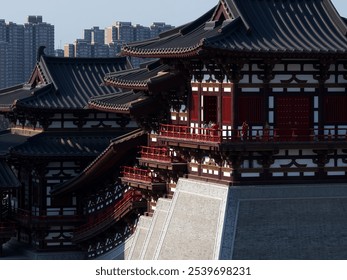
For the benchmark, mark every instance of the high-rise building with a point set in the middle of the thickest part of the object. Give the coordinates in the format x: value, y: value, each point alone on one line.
x: 59, y: 53
x: 111, y: 34
x: 125, y: 31
x: 3, y: 54
x: 108, y: 42
x: 94, y: 35
x: 141, y: 33
x: 159, y: 27
x: 15, y: 55
x: 82, y: 48
x: 3, y: 63
x: 100, y: 50
x: 18, y: 48
x: 2, y: 30
x: 69, y: 50
x: 36, y: 33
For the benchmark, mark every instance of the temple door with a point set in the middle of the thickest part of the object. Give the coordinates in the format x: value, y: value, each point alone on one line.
x: 293, y: 115
x: 210, y: 109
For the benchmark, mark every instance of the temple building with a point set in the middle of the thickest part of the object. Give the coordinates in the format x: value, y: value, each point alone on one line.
x: 230, y: 144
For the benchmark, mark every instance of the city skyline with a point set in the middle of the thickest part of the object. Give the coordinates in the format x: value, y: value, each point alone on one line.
x: 70, y: 22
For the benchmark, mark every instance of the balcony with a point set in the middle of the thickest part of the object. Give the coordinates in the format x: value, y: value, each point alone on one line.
x: 7, y: 230
x: 142, y: 178
x: 42, y: 220
x: 207, y: 138
x: 99, y: 222
x: 162, y: 158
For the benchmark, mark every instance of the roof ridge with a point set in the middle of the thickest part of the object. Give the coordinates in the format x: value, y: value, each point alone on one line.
x: 335, y: 16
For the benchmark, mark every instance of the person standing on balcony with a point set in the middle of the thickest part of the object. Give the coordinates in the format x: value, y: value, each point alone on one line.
x: 244, y: 130
x: 214, y: 130
x: 266, y: 132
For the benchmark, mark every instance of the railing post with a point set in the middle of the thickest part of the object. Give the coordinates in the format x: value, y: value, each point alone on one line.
x: 312, y: 135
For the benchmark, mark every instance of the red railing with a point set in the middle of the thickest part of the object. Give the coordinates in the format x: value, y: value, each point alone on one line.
x: 191, y: 133
x: 7, y: 229
x: 251, y: 135
x: 158, y: 154
x: 112, y: 214
x: 28, y: 218
x: 138, y: 174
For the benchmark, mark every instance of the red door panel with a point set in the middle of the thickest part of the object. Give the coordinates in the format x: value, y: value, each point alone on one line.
x: 210, y: 109
x: 195, y: 108
x: 293, y: 118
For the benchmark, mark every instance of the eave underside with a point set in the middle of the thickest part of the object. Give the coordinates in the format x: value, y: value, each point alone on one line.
x: 105, y: 162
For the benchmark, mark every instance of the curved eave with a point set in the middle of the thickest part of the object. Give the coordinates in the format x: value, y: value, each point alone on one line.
x: 275, y: 54
x: 5, y: 108
x: 104, y: 162
x: 67, y: 156
x: 129, y: 108
x: 46, y: 109
x: 144, y: 85
x: 163, y: 53
x: 104, y: 107
x: 125, y: 84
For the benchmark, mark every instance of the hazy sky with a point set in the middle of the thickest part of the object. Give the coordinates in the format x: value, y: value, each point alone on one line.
x: 71, y: 17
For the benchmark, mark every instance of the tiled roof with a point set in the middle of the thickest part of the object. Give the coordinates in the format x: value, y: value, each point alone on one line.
x: 57, y: 144
x: 9, y: 140
x: 181, y: 42
x: 120, y: 103
x: 256, y: 26
x: 69, y: 83
x: 10, y: 95
x: 107, y: 160
x: 8, y: 179
x: 140, y: 78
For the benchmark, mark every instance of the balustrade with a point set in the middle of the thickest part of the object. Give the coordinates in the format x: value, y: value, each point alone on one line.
x: 138, y: 174
x: 112, y: 214
x: 216, y: 135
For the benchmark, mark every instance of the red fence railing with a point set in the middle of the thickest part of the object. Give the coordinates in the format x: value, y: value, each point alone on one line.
x: 26, y: 217
x: 216, y: 135
x: 7, y: 229
x: 191, y: 133
x: 109, y: 216
x: 158, y: 154
x: 138, y: 174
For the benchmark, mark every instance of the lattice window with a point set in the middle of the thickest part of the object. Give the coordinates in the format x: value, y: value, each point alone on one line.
x: 335, y: 109
x: 251, y: 109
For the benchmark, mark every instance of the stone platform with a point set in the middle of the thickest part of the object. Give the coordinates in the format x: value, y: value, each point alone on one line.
x: 212, y: 221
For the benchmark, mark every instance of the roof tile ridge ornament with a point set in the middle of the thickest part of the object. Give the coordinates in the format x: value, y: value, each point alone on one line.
x: 40, y: 53
x: 227, y: 8
x: 233, y: 6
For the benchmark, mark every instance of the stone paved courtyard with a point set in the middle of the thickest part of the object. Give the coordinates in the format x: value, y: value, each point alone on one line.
x: 292, y: 229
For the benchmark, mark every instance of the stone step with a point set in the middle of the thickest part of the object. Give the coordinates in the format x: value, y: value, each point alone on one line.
x: 194, y: 225
x: 139, y: 238
x: 156, y: 229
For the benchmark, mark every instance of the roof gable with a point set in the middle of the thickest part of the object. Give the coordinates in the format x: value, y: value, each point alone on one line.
x: 69, y: 83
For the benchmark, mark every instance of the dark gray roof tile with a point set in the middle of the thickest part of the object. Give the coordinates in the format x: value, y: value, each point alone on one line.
x: 71, y: 82
x: 256, y: 26
x: 8, y: 179
x: 139, y: 78
x: 119, y: 103
x: 59, y: 144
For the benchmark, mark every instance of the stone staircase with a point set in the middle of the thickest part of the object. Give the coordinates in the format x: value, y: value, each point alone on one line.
x: 178, y: 228
x: 139, y: 237
x: 211, y: 221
